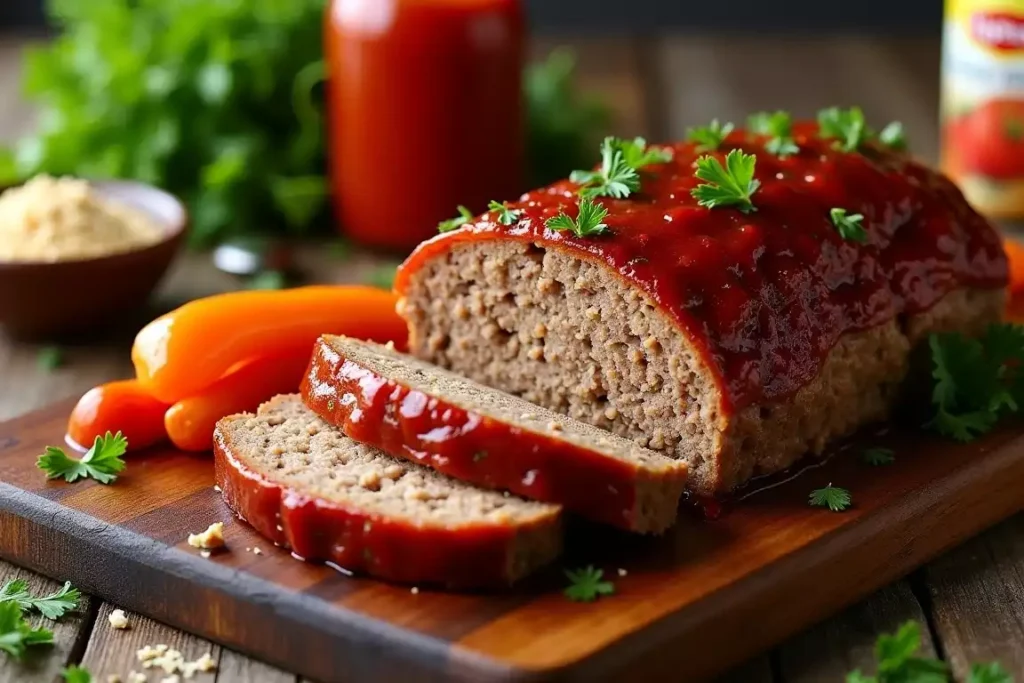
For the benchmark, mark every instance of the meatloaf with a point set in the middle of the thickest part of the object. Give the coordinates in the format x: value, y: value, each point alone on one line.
x: 417, y: 411
x: 736, y: 341
x: 307, y: 487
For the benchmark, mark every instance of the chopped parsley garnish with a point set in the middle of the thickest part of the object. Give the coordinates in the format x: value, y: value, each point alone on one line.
x: 847, y: 126
x: 50, y: 358
x: 102, y: 462
x: 831, y: 497
x: 589, y: 220
x: 879, y: 456
x: 731, y: 185
x: 52, y: 606
x: 76, y: 674
x: 465, y: 216
x: 621, y: 160
x: 638, y: 154
x: 16, y: 634
x: 268, y: 279
x: 778, y: 126
x: 709, y: 137
x: 892, y: 136
x: 977, y: 380
x: 586, y: 584
x: 615, y: 178
x: 506, y: 216
x: 898, y: 661
x: 849, y: 226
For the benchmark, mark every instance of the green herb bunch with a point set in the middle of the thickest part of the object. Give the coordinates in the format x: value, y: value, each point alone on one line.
x: 217, y: 101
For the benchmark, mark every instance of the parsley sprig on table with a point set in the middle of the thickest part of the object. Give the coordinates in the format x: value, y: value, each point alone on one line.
x: 465, y: 216
x: 831, y: 497
x: 878, y: 456
x: 506, y: 216
x: 589, y: 219
x: 849, y: 226
x: 892, y: 136
x: 899, y: 662
x: 53, y: 606
x: 729, y: 185
x: 102, y: 462
x: 976, y: 380
x: 619, y: 173
x: 778, y: 126
x: 16, y: 634
x: 709, y: 137
x: 586, y: 584
x: 76, y: 674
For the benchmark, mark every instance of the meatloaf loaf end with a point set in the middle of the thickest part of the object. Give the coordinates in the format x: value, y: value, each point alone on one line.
x: 420, y: 412
x: 307, y: 487
x: 737, y: 342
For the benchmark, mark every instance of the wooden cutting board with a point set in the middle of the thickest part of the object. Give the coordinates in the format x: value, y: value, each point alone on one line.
x: 689, y: 605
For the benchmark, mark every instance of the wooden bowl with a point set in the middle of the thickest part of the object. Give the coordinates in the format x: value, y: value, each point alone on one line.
x: 43, y: 300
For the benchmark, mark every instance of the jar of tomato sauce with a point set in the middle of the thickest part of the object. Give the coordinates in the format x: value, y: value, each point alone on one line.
x: 982, y: 108
x: 425, y: 107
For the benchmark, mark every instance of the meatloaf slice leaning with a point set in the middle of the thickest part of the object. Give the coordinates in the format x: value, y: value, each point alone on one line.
x: 308, y: 487
x: 420, y: 412
x: 736, y: 341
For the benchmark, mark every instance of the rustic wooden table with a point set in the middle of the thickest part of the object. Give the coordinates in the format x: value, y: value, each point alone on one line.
x: 970, y: 601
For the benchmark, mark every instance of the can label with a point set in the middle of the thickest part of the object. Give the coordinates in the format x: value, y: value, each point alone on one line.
x: 982, y: 107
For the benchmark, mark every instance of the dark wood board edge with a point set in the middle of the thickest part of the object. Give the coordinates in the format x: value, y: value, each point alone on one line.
x: 756, y: 619
x: 292, y: 630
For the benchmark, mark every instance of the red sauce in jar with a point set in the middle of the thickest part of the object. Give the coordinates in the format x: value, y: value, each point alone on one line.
x: 425, y: 112
x: 766, y: 295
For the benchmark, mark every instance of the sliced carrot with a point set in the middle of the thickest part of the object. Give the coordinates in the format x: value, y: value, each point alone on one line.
x: 184, y: 352
x: 123, y: 406
x: 190, y: 422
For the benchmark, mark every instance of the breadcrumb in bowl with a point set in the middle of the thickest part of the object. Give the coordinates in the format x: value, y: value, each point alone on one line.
x: 48, y: 299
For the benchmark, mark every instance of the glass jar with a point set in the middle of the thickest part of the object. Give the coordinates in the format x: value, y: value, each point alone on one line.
x: 425, y: 109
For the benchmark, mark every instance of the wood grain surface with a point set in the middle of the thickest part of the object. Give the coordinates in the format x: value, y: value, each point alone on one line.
x: 770, y: 559
x: 658, y: 85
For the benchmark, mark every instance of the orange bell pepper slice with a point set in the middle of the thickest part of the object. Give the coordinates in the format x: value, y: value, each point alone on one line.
x: 123, y: 406
x: 185, y: 351
x: 190, y: 422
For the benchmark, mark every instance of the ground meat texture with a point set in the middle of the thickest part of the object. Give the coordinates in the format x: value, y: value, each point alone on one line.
x: 569, y: 333
x: 308, y: 487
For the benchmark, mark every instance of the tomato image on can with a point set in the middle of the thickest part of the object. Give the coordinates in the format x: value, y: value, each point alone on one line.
x: 982, y: 108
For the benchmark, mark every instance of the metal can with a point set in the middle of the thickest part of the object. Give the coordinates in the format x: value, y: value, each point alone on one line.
x: 982, y: 104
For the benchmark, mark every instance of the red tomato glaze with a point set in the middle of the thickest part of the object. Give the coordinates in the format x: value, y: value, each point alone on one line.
x: 466, y: 445
x: 316, y: 529
x: 766, y: 295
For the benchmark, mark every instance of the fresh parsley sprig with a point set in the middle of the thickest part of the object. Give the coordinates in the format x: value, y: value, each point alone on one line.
x: 778, y: 126
x: 621, y: 163
x: 976, y: 380
x: 898, y: 661
x: 879, y: 456
x: 847, y: 126
x: 102, y: 462
x: 850, y: 226
x: 589, y: 219
x: 709, y: 137
x: 892, y: 136
x: 729, y: 185
x: 53, y: 606
x: 506, y: 216
x: 16, y: 634
x: 587, y: 585
x: 465, y: 216
x: 76, y: 674
x: 989, y: 672
x: 832, y: 497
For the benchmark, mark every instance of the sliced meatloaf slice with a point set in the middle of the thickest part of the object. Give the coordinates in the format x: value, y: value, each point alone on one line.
x: 308, y: 487
x: 420, y: 412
